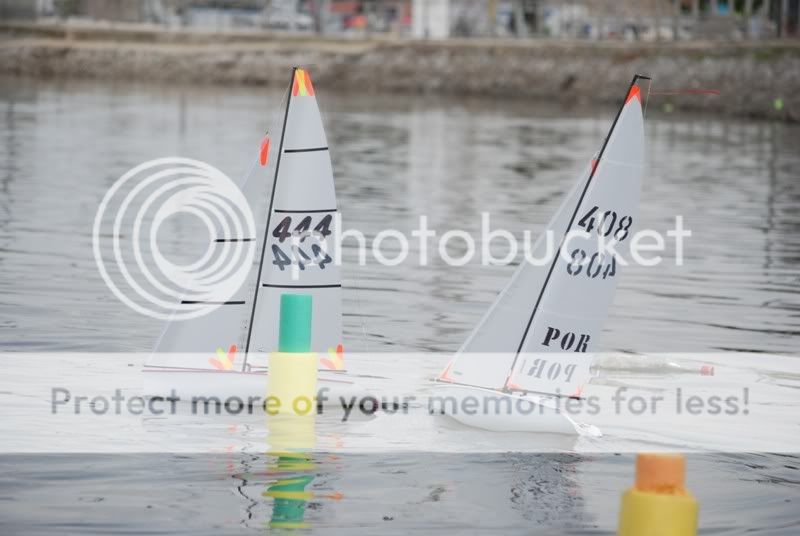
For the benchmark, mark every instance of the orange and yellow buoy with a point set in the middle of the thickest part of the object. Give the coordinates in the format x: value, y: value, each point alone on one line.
x: 658, y: 504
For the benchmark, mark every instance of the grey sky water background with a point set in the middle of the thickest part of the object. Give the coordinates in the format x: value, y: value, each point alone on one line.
x: 395, y: 158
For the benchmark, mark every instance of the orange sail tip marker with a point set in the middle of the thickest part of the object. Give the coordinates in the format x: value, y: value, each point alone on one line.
x: 301, y: 87
x: 707, y: 370
x: 658, y: 504
x: 511, y: 385
x: 263, y: 153
x: 336, y: 361
x: 634, y: 93
x: 445, y: 375
x: 225, y: 361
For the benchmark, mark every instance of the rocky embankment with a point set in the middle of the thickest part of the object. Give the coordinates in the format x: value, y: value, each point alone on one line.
x: 752, y: 79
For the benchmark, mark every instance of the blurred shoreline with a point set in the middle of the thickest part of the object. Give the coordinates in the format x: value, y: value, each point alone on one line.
x: 753, y: 79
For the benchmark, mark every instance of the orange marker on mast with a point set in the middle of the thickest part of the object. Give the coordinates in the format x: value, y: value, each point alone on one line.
x: 263, y: 153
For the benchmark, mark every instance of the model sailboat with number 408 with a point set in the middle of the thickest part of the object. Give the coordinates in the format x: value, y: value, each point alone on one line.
x: 225, y: 353
x: 530, y: 351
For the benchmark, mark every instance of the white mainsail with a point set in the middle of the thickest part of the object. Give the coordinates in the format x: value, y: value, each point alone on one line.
x: 535, y: 335
x: 294, y: 254
x: 302, y: 223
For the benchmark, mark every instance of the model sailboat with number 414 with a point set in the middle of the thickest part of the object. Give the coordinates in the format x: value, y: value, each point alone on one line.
x: 225, y: 353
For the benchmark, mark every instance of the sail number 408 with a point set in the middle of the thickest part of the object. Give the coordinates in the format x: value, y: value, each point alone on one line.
x: 606, y: 224
x: 594, y: 267
x: 609, y: 224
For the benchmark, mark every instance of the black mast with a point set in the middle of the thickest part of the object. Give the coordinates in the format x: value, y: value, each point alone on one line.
x: 269, y: 216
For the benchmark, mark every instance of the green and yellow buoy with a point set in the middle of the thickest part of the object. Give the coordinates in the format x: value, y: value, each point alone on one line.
x: 292, y: 377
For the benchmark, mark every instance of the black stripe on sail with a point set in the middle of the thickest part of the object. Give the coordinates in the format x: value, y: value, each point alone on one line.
x: 309, y: 150
x: 314, y: 211
x: 198, y: 302
x: 234, y: 240
x: 270, y: 285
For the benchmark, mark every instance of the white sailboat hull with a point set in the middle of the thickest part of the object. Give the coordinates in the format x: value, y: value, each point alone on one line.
x: 517, y: 412
x: 187, y: 384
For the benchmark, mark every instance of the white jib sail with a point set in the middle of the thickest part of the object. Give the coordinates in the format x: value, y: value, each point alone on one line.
x: 298, y: 257
x: 535, y: 335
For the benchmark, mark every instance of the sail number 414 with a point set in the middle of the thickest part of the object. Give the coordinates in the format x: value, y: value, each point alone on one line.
x: 302, y: 230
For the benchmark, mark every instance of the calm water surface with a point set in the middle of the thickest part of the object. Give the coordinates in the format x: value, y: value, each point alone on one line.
x: 735, y: 183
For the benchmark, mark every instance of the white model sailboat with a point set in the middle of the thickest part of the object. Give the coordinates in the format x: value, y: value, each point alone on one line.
x: 225, y: 352
x: 530, y: 349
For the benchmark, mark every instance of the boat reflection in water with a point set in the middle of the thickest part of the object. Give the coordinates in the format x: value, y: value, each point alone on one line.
x: 296, y: 483
x: 292, y: 438
x: 278, y: 483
